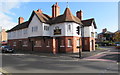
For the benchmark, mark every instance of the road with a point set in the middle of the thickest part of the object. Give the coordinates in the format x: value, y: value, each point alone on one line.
x: 31, y: 63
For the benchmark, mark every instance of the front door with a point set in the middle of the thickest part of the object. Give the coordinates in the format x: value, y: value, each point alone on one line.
x: 58, y: 44
x: 20, y: 45
x: 92, y: 45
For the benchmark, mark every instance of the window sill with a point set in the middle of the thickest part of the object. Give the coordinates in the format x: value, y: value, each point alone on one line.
x: 37, y: 46
x: 62, y: 46
x: 47, y: 46
x: 69, y: 46
x: 25, y: 45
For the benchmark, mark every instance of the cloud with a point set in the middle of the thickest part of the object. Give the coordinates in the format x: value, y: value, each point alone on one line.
x: 6, y: 21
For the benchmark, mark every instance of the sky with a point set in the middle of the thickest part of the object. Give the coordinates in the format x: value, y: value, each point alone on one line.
x: 104, y: 13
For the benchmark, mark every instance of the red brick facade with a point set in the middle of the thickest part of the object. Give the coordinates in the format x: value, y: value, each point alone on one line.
x: 88, y: 44
x: 54, y: 44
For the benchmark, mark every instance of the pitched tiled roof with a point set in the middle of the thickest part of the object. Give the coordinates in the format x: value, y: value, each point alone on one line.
x: 66, y: 17
x: 19, y: 26
x: 89, y: 22
x: 42, y: 17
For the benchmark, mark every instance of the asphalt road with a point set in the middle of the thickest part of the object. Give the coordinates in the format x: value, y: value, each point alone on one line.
x: 30, y: 63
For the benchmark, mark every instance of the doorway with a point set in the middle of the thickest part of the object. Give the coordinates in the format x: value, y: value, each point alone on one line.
x: 20, y: 45
x: 92, y: 45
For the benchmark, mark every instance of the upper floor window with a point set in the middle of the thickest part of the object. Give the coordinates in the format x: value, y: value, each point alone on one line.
x: 35, y: 29
x: 25, y: 31
x: 46, y: 28
x: 92, y: 34
x: 69, y: 27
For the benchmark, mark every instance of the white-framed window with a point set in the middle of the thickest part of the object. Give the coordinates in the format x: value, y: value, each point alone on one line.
x: 35, y: 29
x: 78, y: 42
x: 92, y: 34
x: 38, y: 43
x: 48, y: 44
x: 25, y: 43
x: 62, y: 43
x: 69, y: 43
x: 69, y: 27
x: 46, y: 28
x: 25, y: 31
x: 14, y: 43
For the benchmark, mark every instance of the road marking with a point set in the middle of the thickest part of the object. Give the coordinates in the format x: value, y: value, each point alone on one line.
x: 4, y: 72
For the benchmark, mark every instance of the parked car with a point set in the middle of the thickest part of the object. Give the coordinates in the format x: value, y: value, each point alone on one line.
x: 7, y: 49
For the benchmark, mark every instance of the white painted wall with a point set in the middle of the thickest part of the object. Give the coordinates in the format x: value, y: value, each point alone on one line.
x: 35, y: 22
x: 88, y: 30
x: 19, y: 34
x: 46, y: 32
x: 65, y: 29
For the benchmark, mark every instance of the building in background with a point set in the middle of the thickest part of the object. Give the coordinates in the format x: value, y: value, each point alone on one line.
x: 57, y: 34
x: 3, y: 36
x: 105, y: 35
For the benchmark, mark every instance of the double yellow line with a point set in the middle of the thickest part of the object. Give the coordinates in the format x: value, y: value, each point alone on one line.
x: 4, y: 72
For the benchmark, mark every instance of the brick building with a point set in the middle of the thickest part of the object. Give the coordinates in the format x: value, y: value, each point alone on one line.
x: 56, y: 34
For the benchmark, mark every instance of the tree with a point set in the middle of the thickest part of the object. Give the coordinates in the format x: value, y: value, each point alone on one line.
x: 117, y: 37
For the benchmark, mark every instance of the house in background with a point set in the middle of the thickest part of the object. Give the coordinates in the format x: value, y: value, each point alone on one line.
x: 105, y: 36
x: 56, y: 34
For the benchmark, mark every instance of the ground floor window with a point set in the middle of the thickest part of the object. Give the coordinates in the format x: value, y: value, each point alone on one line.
x: 69, y: 43
x: 14, y: 43
x: 78, y: 42
x: 25, y: 43
x: 62, y: 43
x: 38, y: 43
x: 48, y: 44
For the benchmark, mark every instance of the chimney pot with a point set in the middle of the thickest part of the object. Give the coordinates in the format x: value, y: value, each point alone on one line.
x: 55, y: 10
x: 79, y: 14
x: 39, y: 10
x: 20, y: 20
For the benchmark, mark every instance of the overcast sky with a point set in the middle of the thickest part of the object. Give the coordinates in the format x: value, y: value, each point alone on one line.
x: 105, y: 13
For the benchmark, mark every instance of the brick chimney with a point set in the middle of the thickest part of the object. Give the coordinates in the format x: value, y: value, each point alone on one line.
x: 20, y: 20
x: 39, y: 10
x: 79, y: 14
x: 104, y: 30
x: 55, y: 10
